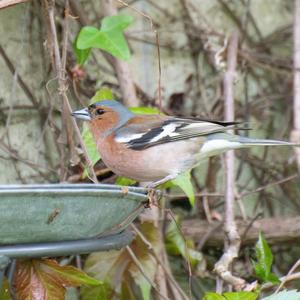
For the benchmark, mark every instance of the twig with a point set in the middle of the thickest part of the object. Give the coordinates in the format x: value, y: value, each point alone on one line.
x: 293, y: 268
x: 63, y: 89
x: 287, y: 231
x: 8, y: 3
x: 158, y: 259
x: 186, y: 256
x: 232, y: 245
x: 22, y: 84
x: 295, y: 135
x: 199, y: 195
x: 278, y: 182
x: 140, y: 267
x: 287, y: 278
x: 15, y: 155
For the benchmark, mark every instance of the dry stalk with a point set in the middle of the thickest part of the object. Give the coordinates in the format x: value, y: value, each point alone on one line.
x: 8, y: 3
x: 60, y: 71
x: 232, y: 243
x: 295, y: 135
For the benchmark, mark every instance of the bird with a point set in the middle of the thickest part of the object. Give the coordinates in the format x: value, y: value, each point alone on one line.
x: 157, y: 148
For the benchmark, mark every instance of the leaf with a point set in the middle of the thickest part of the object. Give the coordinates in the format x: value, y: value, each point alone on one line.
x: 100, y: 292
x: 284, y: 295
x: 68, y: 275
x: 110, y: 37
x: 93, y: 153
x: 184, y: 182
x: 145, y: 258
x: 117, y: 268
x: 231, y: 296
x: 4, y: 291
x: 124, y: 181
x: 46, y: 279
x: 213, y: 296
x: 144, y: 110
x: 119, y: 22
x: 240, y: 295
x: 90, y: 146
x: 126, y: 293
x: 108, y: 267
x: 176, y: 244
x: 81, y: 55
x: 264, y: 261
x: 102, y: 94
x: 86, y: 37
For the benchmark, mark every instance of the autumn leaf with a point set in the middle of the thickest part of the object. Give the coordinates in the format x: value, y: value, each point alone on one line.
x: 117, y: 269
x: 47, y: 280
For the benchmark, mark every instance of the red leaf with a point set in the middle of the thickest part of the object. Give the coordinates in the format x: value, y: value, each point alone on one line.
x: 46, y: 279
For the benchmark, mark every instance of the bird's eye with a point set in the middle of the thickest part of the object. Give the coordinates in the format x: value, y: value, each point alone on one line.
x: 100, y: 111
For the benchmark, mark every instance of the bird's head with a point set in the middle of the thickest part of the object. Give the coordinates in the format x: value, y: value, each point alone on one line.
x: 106, y: 115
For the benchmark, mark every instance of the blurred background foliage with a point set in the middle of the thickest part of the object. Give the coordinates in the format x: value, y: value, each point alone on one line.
x: 37, y: 142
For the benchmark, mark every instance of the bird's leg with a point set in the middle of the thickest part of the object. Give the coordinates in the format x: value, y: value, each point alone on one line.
x: 154, y: 184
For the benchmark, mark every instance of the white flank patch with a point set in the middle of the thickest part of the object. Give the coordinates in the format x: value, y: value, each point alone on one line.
x: 128, y: 138
x: 168, y: 130
x: 218, y: 145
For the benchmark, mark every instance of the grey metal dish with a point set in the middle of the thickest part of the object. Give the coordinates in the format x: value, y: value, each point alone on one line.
x: 61, y: 212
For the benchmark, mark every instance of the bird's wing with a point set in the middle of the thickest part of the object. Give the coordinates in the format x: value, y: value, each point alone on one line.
x: 147, y: 131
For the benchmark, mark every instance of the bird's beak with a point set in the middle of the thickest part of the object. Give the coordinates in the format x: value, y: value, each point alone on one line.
x: 82, y: 114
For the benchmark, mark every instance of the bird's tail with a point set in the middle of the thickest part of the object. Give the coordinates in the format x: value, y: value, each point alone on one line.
x: 220, y: 142
x: 246, y: 141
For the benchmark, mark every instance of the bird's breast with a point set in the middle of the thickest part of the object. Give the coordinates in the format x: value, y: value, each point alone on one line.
x: 150, y: 164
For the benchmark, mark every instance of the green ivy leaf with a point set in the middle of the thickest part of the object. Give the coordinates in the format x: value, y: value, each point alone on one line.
x: 264, y: 261
x: 284, y: 295
x: 102, y: 94
x: 177, y: 245
x: 145, y: 110
x: 110, y: 37
x: 231, y: 296
x: 90, y: 146
x: 81, y: 55
x: 117, y: 22
x: 213, y: 296
x: 240, y: 296
x: 184, y: 182
x: 125, y: 181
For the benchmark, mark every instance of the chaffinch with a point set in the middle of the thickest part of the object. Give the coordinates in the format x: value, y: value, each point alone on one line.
x: 157, y: 148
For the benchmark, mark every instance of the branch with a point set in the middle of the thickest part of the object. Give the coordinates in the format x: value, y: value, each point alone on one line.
x: 295, y: 135
x: 287, y: 231
x: 8, y: 3
x: 141, y: 269
x: 232, y: 244
x: 22, y: 84
x: 60, y: 71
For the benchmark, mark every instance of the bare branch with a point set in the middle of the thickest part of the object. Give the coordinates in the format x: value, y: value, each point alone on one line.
x: 8, y: 3
x: 295, y: 135
x: 212, y: 235
x: 232, y: 244
x: 63, y: 87
x: 21, y: 82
